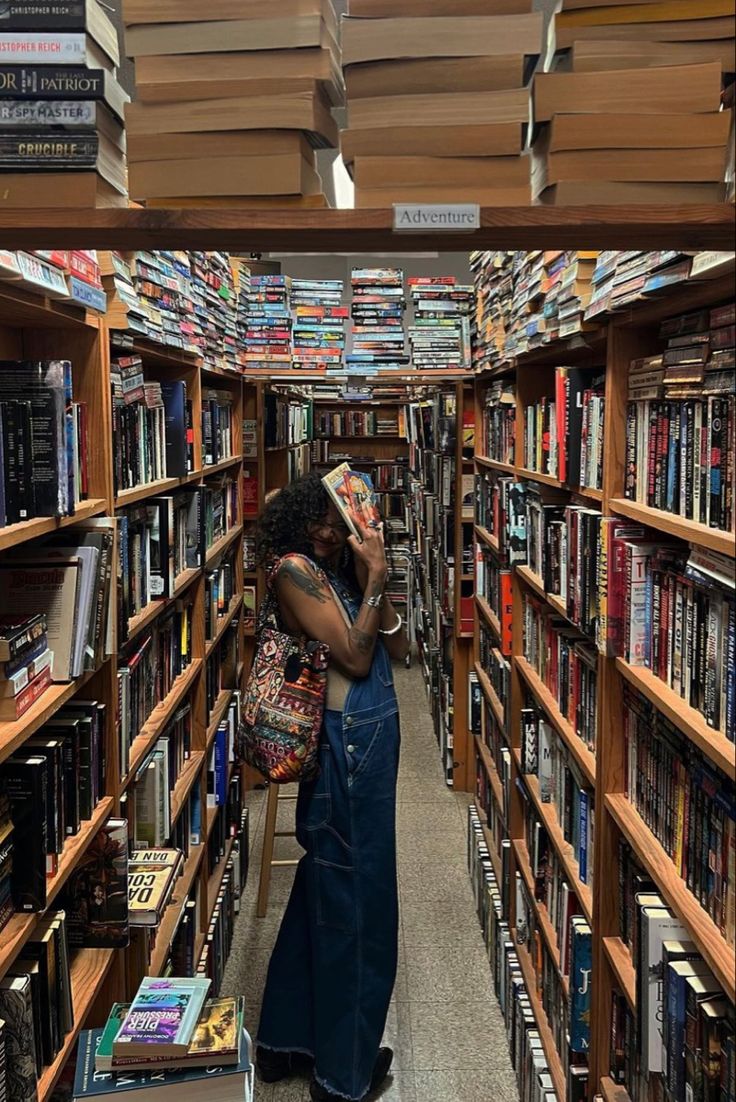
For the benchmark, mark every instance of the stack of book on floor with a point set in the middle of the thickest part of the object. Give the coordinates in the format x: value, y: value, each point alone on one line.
x: 170, y: 1043
x: 319, y: 323
x: 440, y: 335
x: 438, y: 100
x: 628, y: 110
x: 232, y: 99
x: 378, y: 320
x: 61, y: 107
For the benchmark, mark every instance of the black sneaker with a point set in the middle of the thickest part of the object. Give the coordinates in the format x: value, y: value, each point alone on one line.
x: 275, y: 1066
x: 381, y: 1069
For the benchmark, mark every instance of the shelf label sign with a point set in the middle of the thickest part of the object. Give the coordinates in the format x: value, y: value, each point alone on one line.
x: 436, y: 217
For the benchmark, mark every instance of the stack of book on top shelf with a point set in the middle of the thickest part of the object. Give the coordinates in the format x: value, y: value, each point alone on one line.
x: 319, y: 323
x: 171, y: 1042
x: 628, y: 110
x: 267, y: 341
x: 232, y: 100
x: 378, y: 320
x: 440, y: 335
x: 61, y: 107
x: 437, y: 100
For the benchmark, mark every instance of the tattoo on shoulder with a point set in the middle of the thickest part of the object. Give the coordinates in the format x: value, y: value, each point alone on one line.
x: 363, y: 641
x: 303, y: 581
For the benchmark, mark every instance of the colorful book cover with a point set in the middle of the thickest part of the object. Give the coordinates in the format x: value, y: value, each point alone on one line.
x: 216, y: 1038
x: 97, y: 891
x: 162, y: 1017
x: 354, y: 496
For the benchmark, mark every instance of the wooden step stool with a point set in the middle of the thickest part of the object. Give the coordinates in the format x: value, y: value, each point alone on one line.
x: 270, y: 833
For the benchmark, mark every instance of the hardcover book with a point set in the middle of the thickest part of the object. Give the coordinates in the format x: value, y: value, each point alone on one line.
x: 97, y: 891
x: 188, y: 1084
x: 20, y: 1045
x: 162, y: 1017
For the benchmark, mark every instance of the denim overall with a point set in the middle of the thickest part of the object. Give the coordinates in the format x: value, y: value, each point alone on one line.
x: 333, y: 968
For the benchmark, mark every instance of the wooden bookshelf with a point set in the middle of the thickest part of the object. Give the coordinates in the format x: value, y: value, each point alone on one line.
x: 89, y: 969
x: 547, y: 1037
x: 607, y: 346
x: 490, y: 695
x: 548, y: 932
x: 33, y: 326
x: 173, y: 913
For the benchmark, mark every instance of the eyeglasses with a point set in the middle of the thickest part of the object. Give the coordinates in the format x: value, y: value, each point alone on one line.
x: 325, y: 526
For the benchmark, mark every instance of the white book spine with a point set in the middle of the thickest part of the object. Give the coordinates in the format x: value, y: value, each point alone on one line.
x: 29, y: 48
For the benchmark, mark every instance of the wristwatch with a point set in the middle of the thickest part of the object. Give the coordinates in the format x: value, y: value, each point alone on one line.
x: 374, y: 602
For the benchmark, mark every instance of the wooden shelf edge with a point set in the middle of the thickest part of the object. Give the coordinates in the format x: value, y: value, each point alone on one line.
x: 688, y: 721
x: 172, y: 915
x: 20, y: 928
x: 215, y: 879
x: 543, y: 1027
x: 89, y: 970
x: 223, y: 623
x: 488, y: 615
x: 619, y: 958
x: 14, y: 734
x: 158, y: 719
x: 690, y: 530
x: 492, y: 851
x: 26, y: 530
x: 222, y: 544
x: 154, y: 609
x: 706, y: 935
x: 532, y: 580
x: 495, y: 465
x: 215, y: 468
x: 185, y: 783
x: 521, y: 854
x: 487, y: 537
x: 490, y: 695
x: 564, y: 850
x: 221, y: 705
x: 584, y: 758
x: 613, y: 1092
x: 491, y: 772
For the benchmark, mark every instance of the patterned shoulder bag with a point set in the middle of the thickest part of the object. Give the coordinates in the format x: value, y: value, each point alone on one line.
x: 284, y: 697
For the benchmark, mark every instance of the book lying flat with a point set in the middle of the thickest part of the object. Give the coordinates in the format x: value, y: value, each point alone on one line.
x: 473, y: 36
x: 480, y: 172
x: 215, y: 1084
x: 434, y: 75
x: 385, y: 9
x: 234, y: 34
x: 201, y: 11
x: 486, y: 196
x: 307, y: 111
x: 162, y: 1017
x: 168, y: 79
x: 601, y: 130
x: 667, y: 90
x: 454, y: 108
x: 217, y: 1039
x: 417, y: 140
x: 591, y: 55
x: 279, y: 174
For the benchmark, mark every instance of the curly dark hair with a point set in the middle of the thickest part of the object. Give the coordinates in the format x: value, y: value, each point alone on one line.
x: 282, y: 527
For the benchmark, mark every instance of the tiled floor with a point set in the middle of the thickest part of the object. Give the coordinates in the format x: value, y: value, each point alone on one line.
x: 444, y: 1024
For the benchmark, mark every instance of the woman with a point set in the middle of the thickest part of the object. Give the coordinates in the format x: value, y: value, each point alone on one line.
x: 332, y: 971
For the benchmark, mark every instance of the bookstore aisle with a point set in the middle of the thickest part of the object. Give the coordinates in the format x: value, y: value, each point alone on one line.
x: 444, y: 1023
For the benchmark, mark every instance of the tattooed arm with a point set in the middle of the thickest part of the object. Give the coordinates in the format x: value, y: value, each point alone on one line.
x: 307, y: 604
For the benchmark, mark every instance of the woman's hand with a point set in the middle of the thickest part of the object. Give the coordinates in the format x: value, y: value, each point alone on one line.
x: 371, y: 566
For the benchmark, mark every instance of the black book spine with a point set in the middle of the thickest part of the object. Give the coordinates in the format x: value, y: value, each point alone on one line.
x: 25, y: 457
x: 26, y: 787
x: 52, y: 82
x: 10, y: 455
x: 47, y: 149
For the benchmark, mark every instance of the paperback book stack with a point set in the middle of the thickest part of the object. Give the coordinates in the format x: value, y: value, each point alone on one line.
x: 440, y: 335
x: 213, y: 292
x: 378, y: 321
x: 61, y: 107
x: 628, y: 110
x: 438, y: 100
x: 268, y: 336
x: 172, y: 1042
x: 492, y: 279
x: 241, y: 274
x: 318, y: 324
x: 232, y: 100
